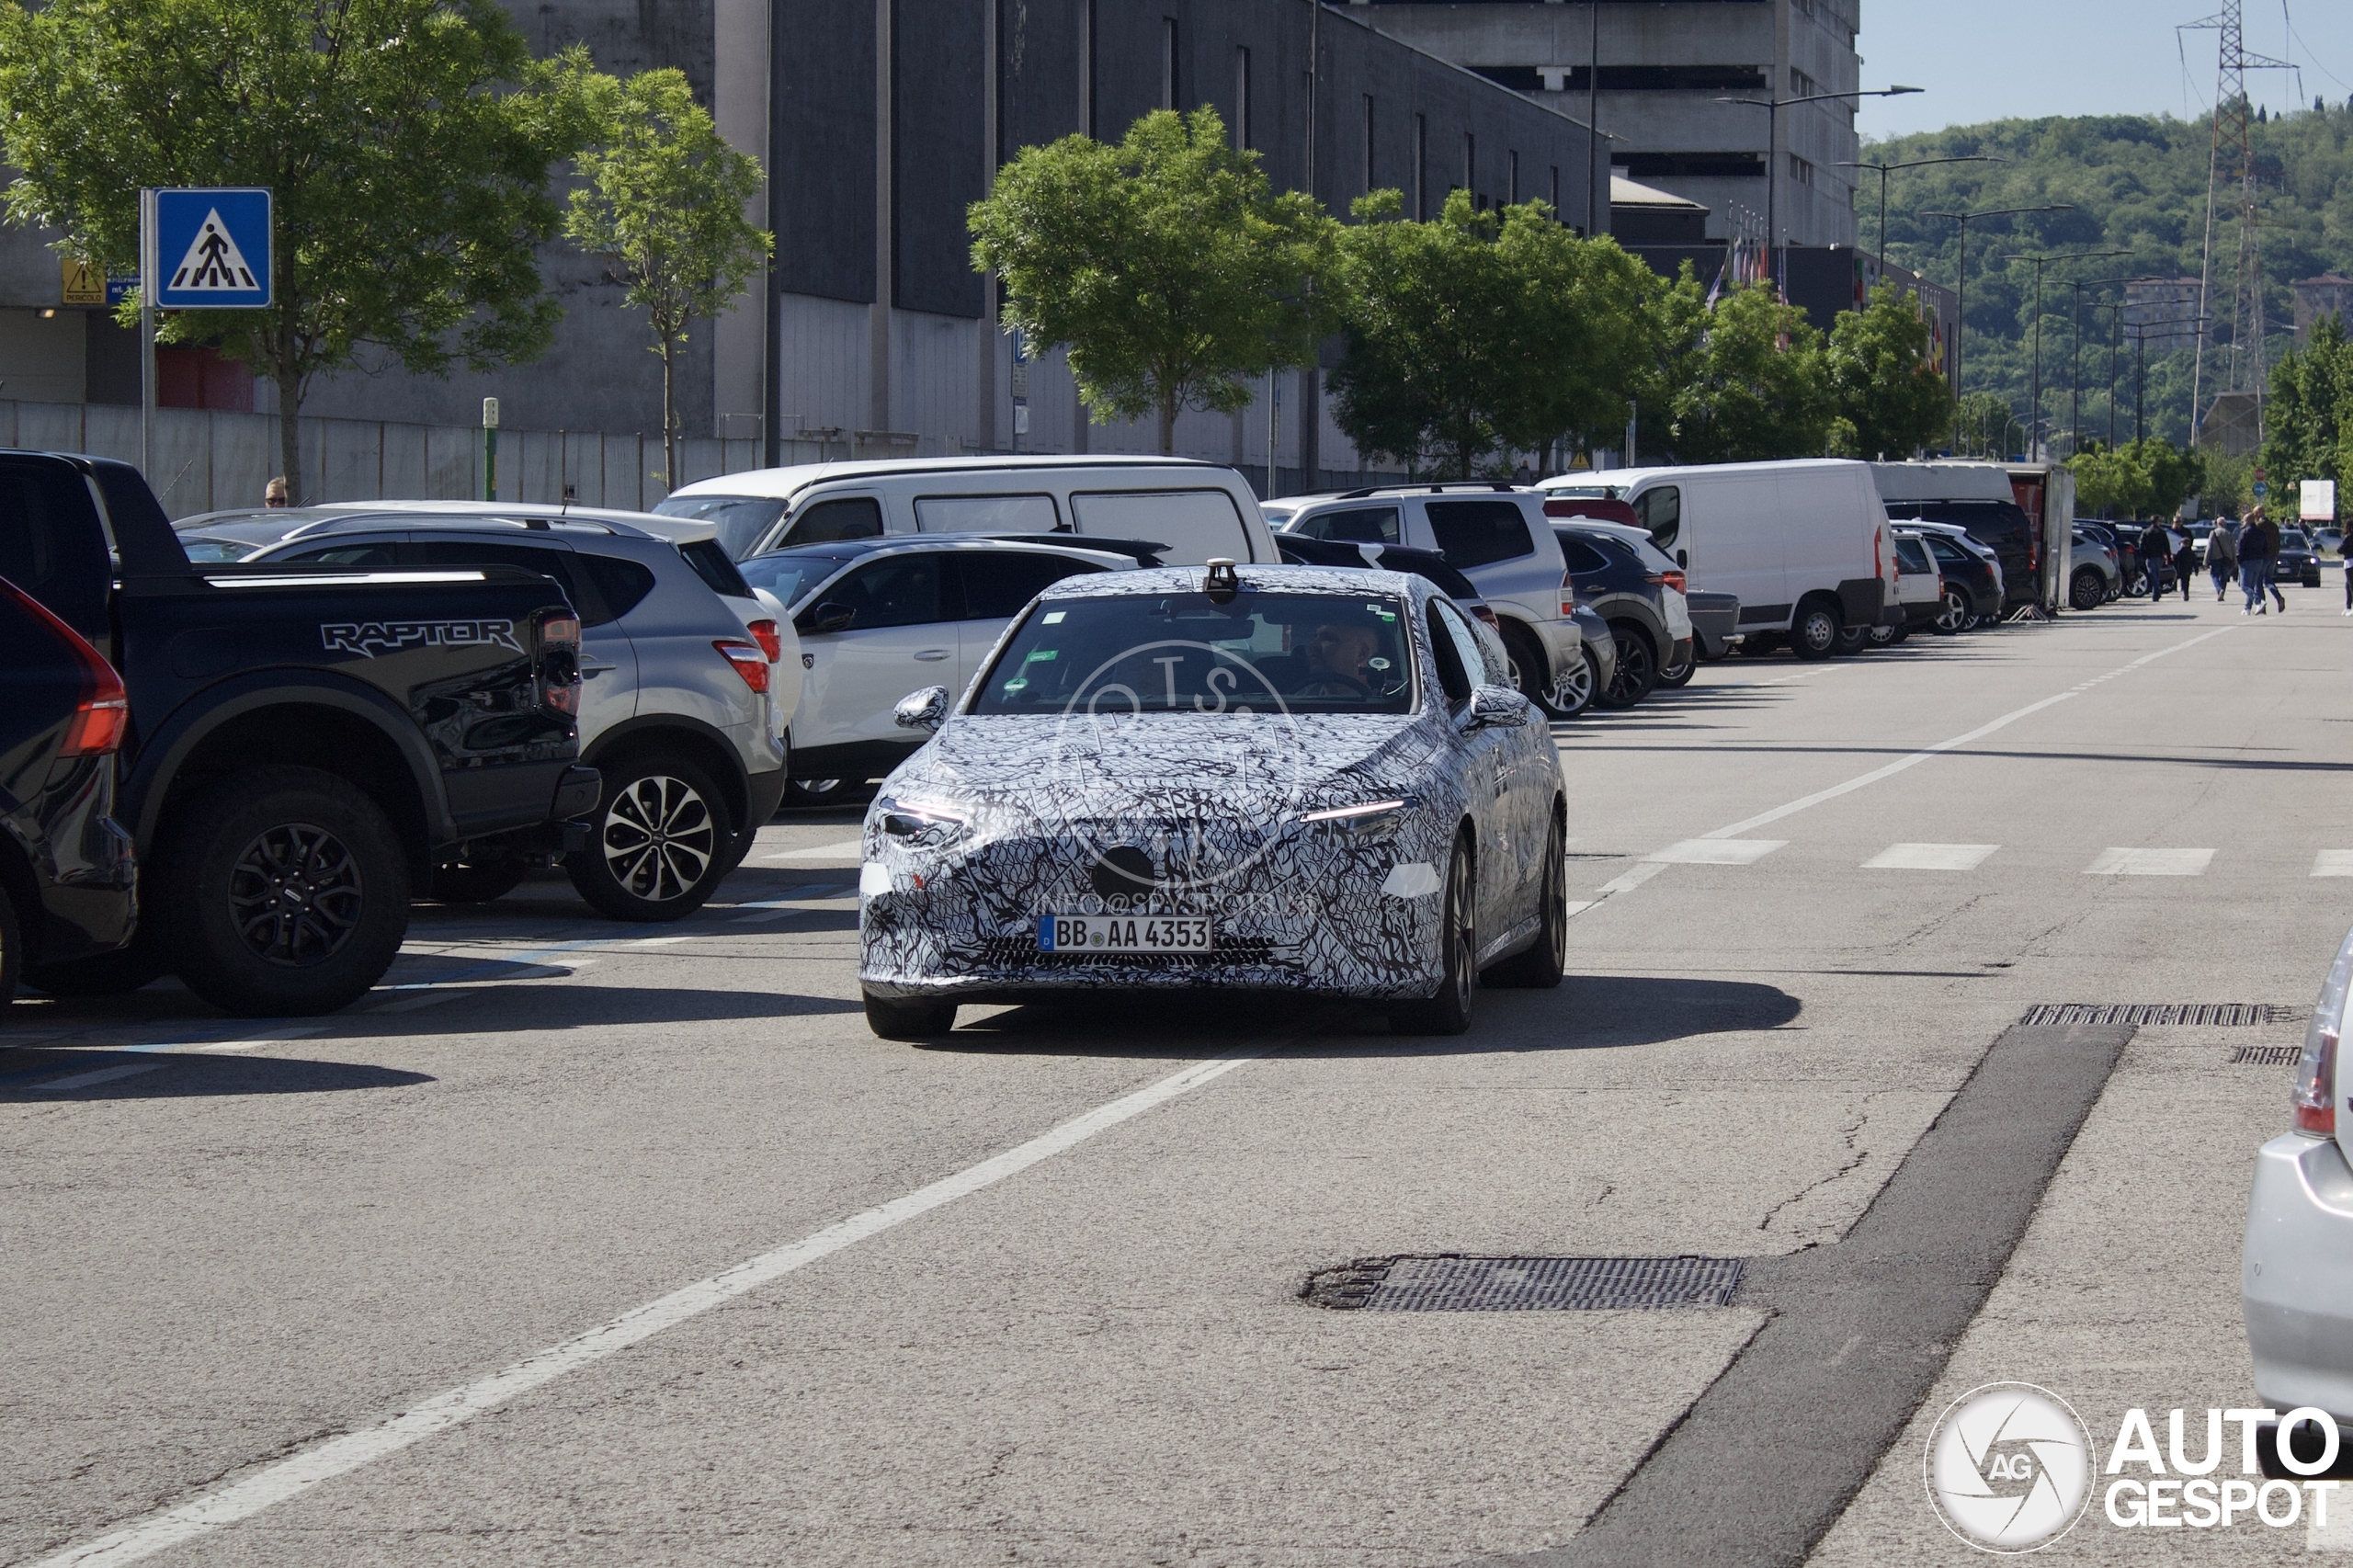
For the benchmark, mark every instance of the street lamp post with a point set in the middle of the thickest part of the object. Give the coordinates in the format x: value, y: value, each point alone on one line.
x: 2142, y: 332
x: 1773, y: 108
x: 2076, y: 374
x: 1961, y: 311
x: 1886, y: 169
x: 2034, y: 395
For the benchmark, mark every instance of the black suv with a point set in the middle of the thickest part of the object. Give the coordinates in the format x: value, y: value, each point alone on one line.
x: 1611, y: 578
x: 2002, y: 525
x: 68, y: 885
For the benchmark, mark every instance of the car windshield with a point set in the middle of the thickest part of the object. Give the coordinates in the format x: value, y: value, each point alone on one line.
x: 793, y: 574
x: 1183, y: 652
x: 742, y: 520
x: 208, y: 550
x: 2294, y: 538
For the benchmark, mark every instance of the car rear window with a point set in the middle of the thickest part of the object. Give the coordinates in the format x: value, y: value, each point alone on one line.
x: 710, y: 562
x: 1356, y: 525
x: 1580, y: 555
x: 50, y: 545
x: 1195, y: 524
x: 1183, y: 653
x: 1479, y: 533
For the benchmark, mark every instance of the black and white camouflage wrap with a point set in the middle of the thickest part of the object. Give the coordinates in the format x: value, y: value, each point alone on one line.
x: 1213, y: 805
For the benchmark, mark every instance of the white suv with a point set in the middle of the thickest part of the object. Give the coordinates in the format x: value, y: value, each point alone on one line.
x: 1493, y: 533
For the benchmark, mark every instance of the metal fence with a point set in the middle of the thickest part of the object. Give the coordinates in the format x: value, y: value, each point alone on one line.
x: 205, y: 461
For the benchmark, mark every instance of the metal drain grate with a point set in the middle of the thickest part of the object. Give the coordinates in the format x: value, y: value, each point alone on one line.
x: 1452, y: 1283
x: 2266, y: 1056
x: 2157, y: 1014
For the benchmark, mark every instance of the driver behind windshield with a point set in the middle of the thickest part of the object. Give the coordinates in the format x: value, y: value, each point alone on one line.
x: 1344, y: 651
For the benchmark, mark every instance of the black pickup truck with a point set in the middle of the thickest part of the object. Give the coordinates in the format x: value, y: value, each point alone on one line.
x: 305, y: 744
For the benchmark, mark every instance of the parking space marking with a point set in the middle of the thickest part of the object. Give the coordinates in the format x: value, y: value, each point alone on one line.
x: 2149, y: 863
x: 1632, y: 879
x: 2333, y: 863
x: 848, y: 847
x: 1930, y: 857
x: 205, y: 1039
x: 293, y: 1476
x: 1713, y: 851
x: 105, y: 1076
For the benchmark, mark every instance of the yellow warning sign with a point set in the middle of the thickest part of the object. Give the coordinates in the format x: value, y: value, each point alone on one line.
x: 84, y: 284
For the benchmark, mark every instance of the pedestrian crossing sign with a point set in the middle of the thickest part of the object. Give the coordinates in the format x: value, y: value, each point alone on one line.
x: 210, y: 249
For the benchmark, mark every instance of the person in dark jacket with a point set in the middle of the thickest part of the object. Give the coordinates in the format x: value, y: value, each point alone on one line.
x: 2271, y: 557
x: 2222, y: 555
x: 2156, y: 551
x: 2252, y: 562
x: 2185, y: 560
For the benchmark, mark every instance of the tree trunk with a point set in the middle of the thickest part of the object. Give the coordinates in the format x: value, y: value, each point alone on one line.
x: 290, y: 420
x: 1167, y: 426
x: 669, y: 415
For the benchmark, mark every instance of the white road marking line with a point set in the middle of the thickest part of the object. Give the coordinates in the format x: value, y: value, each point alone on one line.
x: 1716, y: 852
x: 648, y: 942
x: 173, y: 1042
x: 2333, y: 863
x: 103, y: 1075
x: 1930, y: 857
x: 2149, y: 863
x: 292, y: 1476
x: 848, y: 847
x: 420, y: 1000
x: 1632, y: 879
x: 1917, y: 757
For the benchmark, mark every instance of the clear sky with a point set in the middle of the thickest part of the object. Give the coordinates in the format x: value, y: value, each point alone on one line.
x: 1991, y: 59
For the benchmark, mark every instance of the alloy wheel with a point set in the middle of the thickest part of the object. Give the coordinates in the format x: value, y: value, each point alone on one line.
x: 659, y: 837
x: 296, y: 895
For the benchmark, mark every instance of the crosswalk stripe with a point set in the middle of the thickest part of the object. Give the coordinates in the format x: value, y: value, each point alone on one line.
x: 2148, y: 862
x: 1930, y: 857
x: 1716, y: 852
x: 2333, y: 863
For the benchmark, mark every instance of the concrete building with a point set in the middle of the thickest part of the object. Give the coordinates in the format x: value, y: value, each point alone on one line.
x: 880, y: 121
x: 1663, y: 69
x: 2327, y: 295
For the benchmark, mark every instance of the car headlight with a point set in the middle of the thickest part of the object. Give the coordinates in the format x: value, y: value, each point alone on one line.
x: 1368, y: 824
x: 921, y: 822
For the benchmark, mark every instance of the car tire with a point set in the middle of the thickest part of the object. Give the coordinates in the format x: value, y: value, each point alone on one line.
x: 1884, y: 636
x: 1853, y: 640
x: 2087, y: 590
x: 808, y: 793
x: 1448, y: 1011
x: 658, y: 842
x: 891, y: 1018
x: 476, y: 881
x: 1953, y: 615
x: 1761, y: 644
x: 1541, y: 967
x: 1527, y: 670
x: 118, y: 973
x: 1637, y: 672
x: 1676, y: 676
x: 240, y: 852
x: 1814, y: 632
x: 12, y: 948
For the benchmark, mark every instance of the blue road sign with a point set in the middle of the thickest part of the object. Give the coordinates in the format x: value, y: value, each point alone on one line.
x: 210, y: 249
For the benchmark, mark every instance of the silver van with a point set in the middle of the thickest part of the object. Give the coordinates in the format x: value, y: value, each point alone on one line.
x: 1197, y: 510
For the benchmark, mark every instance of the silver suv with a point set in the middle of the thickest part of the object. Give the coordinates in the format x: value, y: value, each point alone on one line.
x: 1493, y: 534
x: 675, y: 707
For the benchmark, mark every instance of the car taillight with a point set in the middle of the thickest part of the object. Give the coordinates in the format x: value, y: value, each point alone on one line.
x: 1672, y: 579
x: 559, y: 630
x: 560, y: 663
x: 103, y: 713
x: 2314, y: 1095
x: 749, y: 661
x: 1487, y: 615
x: 1568, y: 593
x: 764, y: 632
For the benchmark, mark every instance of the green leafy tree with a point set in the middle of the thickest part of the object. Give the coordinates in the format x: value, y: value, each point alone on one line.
x: 1884, y: 383
x: 2111, y: 482
x: 1983, y: 422
x: 1168, y: 265
x: 2309, y: 414
x: 1755, y: 387
x: 662, y: 204
x: 408, y: 143
x: 2176, y: 473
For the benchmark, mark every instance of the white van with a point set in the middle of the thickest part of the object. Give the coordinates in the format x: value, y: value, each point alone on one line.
x: 1803, y: 544
x: 1199, y: 510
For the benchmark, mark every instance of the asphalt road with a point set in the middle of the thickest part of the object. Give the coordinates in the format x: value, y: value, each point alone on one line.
x: 585, y: 1243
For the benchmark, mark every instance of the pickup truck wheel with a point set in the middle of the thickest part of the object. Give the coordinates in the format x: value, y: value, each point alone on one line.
x: 918, y: 1017
x: 282, y: 892
x: 660, y: 844
x: 476, y: 881
x: 118, y: 973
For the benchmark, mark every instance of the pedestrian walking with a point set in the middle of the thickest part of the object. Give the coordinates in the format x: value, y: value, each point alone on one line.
x: 2251, y: 563
x: 2156, y: 550
x: 2222, y: 555
x: 2271, y: 557
x: 273, y: 495
x: 2185, y: 560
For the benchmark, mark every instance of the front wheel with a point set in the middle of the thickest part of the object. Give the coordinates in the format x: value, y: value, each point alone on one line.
x: 2086, y: 590
x: 1678, y: 675
x: 891, y: 1018
x: 815, y: 791
x: 1542, y: 965
x: 660, y: 841
x: 1814, y: 634
x: 282, y: 892
x: 1527, y: 665
x: 1953, y: 614
x: 1448, y: 1011
x: 1637, y: 670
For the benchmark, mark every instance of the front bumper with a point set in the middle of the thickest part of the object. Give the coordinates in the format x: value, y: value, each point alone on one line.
x: 2296, y: 1276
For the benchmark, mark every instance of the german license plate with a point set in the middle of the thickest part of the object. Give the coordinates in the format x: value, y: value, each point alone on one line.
x: 1123, y: 934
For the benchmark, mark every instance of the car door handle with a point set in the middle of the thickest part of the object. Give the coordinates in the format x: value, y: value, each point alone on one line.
x: 929, y: 654
x: 597, y: 669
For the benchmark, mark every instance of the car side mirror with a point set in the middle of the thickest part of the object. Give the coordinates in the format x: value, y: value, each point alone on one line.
x: 1683, y: 558
x: 829, y: 616
x: 925, y: 710
x: 1496, y: 708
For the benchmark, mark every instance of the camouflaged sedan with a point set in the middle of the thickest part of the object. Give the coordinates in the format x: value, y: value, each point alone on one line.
x: 1275, y: 778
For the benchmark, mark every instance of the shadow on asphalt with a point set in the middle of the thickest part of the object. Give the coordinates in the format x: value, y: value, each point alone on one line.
x: 189, y: 1076
x: 1588, y: 1012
